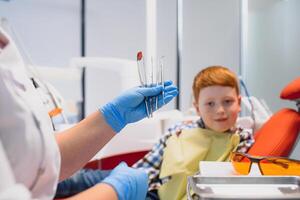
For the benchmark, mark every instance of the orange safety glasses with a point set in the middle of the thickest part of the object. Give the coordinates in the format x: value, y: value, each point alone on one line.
x: 268, y: 165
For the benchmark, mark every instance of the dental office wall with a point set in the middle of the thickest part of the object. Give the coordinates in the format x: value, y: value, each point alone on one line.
x: 211, y: 36
x: 272, y: 50
x: 118, y: 29
x: 211, y: 32
x: 122, y: 32
x: 50, y: 32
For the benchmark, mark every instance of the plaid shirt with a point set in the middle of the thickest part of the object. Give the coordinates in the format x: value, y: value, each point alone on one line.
x: 152, y: 161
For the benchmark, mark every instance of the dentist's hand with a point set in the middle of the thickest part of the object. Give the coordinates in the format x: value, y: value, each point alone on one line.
x: 129, y: 183
x: 130, y: 106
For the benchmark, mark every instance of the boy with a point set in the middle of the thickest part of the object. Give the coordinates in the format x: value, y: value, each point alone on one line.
x: 217, y: 102
x: 212, y: 137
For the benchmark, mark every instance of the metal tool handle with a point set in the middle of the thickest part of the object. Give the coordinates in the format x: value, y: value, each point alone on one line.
x: 188, y: 189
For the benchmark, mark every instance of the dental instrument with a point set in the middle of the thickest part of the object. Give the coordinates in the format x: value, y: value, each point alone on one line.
x: 161, y: 76
x: 159, y: 80
x: 142, y: 76
x: 146, y: 81
x: 151, y: 84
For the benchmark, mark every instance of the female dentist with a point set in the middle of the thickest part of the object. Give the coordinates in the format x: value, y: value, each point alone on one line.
x: 33, y: 159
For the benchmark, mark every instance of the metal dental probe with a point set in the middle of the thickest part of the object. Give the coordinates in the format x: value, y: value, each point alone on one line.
x: 142, y: 76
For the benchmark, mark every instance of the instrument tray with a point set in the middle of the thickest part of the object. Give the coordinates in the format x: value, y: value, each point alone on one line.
x: 243, y: 187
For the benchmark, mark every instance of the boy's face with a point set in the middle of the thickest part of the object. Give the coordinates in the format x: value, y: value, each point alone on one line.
x: 218, y: 107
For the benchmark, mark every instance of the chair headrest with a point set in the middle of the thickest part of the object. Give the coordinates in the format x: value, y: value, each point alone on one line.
x: 292, y: 90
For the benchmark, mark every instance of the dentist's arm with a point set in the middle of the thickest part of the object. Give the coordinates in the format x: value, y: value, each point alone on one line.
x: 97, y: 192
x: 80, y: 143
x: 123, y: 183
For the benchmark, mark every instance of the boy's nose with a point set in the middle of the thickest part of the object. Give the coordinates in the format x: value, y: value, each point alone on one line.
x: 220, y: 109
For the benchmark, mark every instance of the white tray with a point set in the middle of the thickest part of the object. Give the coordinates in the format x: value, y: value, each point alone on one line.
x: 243, y: 187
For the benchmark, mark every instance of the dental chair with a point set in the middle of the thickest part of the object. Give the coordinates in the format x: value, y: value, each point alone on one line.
x: 279, y: 135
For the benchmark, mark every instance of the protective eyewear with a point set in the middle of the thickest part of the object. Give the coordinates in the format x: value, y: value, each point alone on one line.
x: 267, y: 165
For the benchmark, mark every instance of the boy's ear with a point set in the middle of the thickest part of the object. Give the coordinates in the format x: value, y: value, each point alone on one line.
x: 196, y: 106
x: 239, y: 102
x: 240, y: 99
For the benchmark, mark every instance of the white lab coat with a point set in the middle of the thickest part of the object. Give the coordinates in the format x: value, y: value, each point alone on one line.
x: 29, y: 155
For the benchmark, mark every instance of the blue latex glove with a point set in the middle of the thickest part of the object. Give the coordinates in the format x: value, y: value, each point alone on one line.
x: 129, y: 183
x: 130, y: 106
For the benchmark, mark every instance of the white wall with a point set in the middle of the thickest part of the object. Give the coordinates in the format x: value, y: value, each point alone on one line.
x: 115, y: 28
x: 210, y: 37
x: 273, y: 49
x: 166, y: 36
x: 49, y: 30
x: 118, y: 29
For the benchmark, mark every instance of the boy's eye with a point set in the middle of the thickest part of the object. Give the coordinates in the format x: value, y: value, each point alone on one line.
x: 210, y: 104
x: 228, y: 101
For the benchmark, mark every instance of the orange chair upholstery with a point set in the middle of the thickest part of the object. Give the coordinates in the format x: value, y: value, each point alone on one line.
x: 278, y: 135
x: 292, y: 90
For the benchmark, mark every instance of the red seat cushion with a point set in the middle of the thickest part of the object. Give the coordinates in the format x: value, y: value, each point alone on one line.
x: 292, y: 90
x: 112, y: 161
x: 278, y: 135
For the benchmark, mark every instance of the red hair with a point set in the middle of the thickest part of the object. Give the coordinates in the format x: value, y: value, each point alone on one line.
x: 214, y: 75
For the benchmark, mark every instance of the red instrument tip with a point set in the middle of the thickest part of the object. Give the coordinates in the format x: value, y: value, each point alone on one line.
x: 139, y: 55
